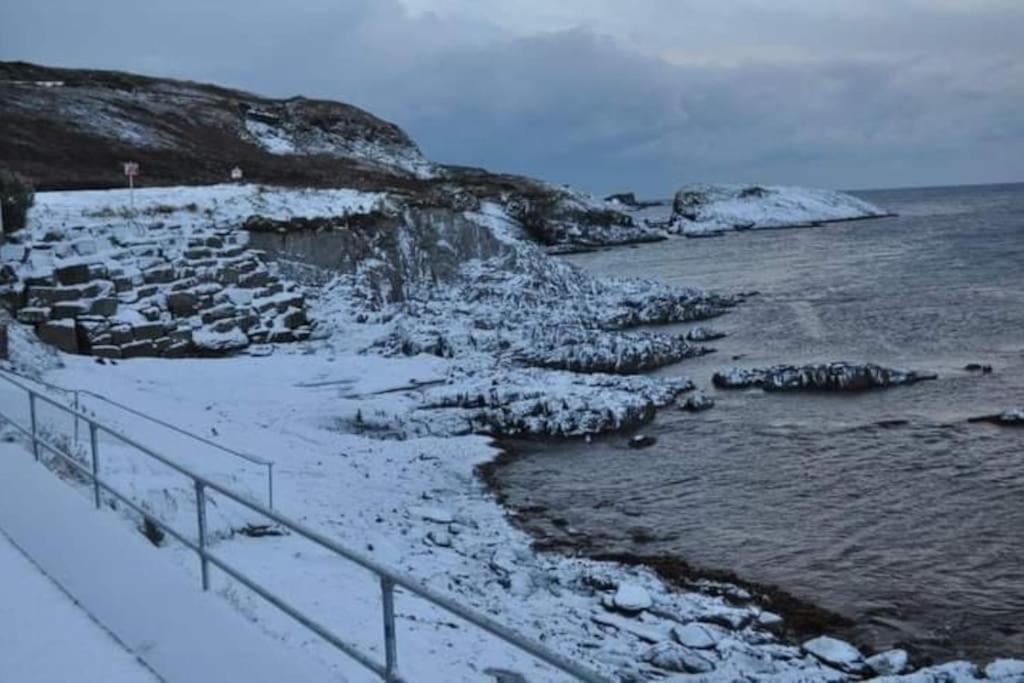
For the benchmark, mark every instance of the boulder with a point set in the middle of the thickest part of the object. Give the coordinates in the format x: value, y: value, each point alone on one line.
x: 703, y: 334
x: 836, y: 653
x: 59, y: 333
x: 672, y: 657
x: 642, y: 441
x: 1005, y: 670
x: 696, y: 635
x: 697, y: 403
x: 630, y: 597
x: 889, y: 663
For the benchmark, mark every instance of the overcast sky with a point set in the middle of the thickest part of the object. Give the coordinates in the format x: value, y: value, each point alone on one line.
x: 606, y: 94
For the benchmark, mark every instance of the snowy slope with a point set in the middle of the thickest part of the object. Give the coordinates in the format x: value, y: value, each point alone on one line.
x: 702, y: 209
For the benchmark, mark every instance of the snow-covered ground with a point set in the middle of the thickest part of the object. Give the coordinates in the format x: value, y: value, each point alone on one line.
x: 188, y: 206
x: 709, y: 209
x: 46, y: 638
x: 147, y: 603
x: 375, y: 431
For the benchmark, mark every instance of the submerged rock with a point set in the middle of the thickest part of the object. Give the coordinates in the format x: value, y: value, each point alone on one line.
x: 642, y: 441
x: 839, y: 376
x: 697, y: 403
x: 703, y: 334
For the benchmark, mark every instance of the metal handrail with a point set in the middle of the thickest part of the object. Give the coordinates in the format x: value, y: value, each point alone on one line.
x: 388, y: 577
x: 263, y: 462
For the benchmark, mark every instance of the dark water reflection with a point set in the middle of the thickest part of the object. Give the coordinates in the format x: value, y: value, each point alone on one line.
x: 915, y: 530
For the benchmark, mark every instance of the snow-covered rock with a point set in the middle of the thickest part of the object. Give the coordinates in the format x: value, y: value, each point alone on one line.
x: 697, y: 635
x: 630, y: 597
x: 697, y: 403
x: 708, y: 209
x: 1005, y: 670
x: 889, y: 663
x: 841, y: 376
x: 672, y: 657
x: 837, y: 653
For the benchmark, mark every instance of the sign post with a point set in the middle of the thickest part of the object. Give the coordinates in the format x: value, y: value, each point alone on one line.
x: 131, y: 169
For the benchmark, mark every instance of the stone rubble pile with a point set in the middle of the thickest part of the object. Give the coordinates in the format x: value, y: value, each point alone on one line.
x: 149, y: 291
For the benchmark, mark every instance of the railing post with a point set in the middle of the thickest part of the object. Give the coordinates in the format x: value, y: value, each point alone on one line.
x: 201, y: 516
x: 387, y: 592
x: 95, y: 447
x: 76, y: 415
x: 32, y: 415
x: 270, y: 485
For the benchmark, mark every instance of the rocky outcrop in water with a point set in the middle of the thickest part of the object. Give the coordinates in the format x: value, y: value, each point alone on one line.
x: 1012, y: 417
x: 581, y: 350
x: 841, y: 376
x: 702, y: 210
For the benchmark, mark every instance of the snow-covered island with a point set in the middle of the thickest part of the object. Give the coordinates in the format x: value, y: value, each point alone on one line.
x: 703, y: 210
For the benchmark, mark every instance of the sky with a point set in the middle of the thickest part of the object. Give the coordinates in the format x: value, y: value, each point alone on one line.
x: 606, y: 95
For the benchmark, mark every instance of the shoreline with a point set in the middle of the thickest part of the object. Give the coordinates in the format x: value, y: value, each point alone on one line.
x: 802, y: 619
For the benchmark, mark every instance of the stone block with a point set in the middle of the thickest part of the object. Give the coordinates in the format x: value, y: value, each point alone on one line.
x: 219, y: 313
x: 68, y: 309
x: 75, y: 274
x: 59, y: 333
x: 292, y: 318
x: 158, y: 274
x: 182, y: 304
x: 121, y: 334
x: 139, y: 349
x: 147, y: 331
x: 104, y: 306
x: 107, y: 351
x: 33, y: 315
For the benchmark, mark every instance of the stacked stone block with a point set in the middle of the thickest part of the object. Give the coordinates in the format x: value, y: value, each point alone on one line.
x: 153, y: 292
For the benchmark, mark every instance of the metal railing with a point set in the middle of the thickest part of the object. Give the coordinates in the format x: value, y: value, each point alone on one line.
x: 79, y: 407
x: 389, y: 579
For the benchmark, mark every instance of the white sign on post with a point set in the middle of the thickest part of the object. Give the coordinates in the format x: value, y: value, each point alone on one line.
x: 131, y: 169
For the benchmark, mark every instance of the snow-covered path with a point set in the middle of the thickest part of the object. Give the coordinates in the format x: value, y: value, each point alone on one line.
x: 127, y: 586
x: 46, y: 638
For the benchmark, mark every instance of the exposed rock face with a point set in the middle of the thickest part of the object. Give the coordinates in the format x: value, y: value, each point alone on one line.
x: 129, y: 291
x: 400, y: 254
x: 825, y: 377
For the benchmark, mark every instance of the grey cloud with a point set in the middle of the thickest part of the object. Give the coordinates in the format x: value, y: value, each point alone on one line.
x: 847, y: 94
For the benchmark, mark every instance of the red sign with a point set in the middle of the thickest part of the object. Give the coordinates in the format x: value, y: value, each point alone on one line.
x: 131, y: 169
